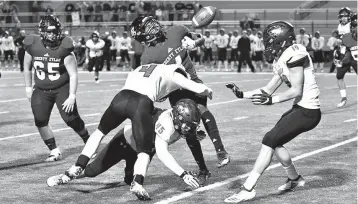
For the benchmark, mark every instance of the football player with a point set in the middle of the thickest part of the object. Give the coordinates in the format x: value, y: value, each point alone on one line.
x: 8, y: 49
x: 344, y: 16
x: 135, y: 102
x: 94, y: 54
x: 170, y: 125
x: 293, y: 66
x: 345, y: 57
x: 167, y: 46
x: 51, y: 55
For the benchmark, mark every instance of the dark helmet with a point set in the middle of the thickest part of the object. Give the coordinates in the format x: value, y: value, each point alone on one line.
x: 317, y: 34
x: 95, y: 35
x: 354, y: 26
x: 277, y: 36
x: 147, y: 30
x: 50, y: 30
x: 344, y: 15
x: 186, y: 117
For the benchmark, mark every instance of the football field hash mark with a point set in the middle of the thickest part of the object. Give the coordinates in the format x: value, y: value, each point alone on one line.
x: 227, y: 181
x: 240, y: 118
x: 350, y: 120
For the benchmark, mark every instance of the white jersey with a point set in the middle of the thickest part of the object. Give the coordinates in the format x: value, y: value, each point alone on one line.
x: 114, y: 42
x: 309, y: 98
x: 259, y: 44
x: 233, y: 42
x: 302, y: 39
x: 95, y: 49
x: 7, y: 43
x: 208, y: 41
x: 124, y: 43
x: 332, y: 42
x: 164, y: 128
x: 317, y: 43
x: 222, y: 41
x: 343, y: 29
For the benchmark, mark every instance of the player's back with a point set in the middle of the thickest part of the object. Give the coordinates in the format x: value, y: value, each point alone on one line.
x: 153, y: 80
x: 51, y: 72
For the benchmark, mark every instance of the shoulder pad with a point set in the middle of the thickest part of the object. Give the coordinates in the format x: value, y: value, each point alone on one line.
x: 68, y: 43
x: 181, y: 29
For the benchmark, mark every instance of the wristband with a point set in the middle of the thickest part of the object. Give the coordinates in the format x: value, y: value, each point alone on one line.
x: 275, y: 99
x: 183, y: 174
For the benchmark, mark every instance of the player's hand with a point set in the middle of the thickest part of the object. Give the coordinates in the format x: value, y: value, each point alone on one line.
x: 235, y: 89
x: 68, y: 105
x: 188, y: 43
x: 261, y: 99
x: 200, y: 135
x: 190, y: 179
x: 337, y: 58
x: 28, y: 93
x: 208, y: 93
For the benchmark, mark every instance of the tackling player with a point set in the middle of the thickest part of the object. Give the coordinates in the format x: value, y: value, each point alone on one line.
x: 345, y: 57
x: 51, y: 55
x: 170, y: 125
x: 293, y: 66
x: 168, y: 46
x: 144, y: 86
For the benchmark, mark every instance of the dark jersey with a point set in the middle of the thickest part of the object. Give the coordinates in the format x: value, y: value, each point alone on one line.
x: 19, y: 42
x: 170, y: 50
x: 50, y: 72
x: 352, y: 47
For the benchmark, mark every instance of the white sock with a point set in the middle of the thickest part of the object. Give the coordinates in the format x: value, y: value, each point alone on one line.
x: 291, y: 172
x: 141, y: 165
x: 343, y: 93
x: 251, y: 181
x: 92, y: 143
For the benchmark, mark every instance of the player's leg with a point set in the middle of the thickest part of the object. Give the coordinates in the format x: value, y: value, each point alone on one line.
x: 72, y: 119
x: 241, y: 60
x: 341, y: 71
x: 21, y: 55
x: 249, y: 62
x: 41, y: 104
x: 220, y: 58
x: 108, y: 60
x: 6, y: 55
x: 97, y: 68
x: 225, y: 59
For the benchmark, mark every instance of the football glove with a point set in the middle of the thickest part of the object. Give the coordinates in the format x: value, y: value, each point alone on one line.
x: 190, y: 179
x: 188, y: 43
x: 200, y: 135
x: 261, y: 99
x: 235, y: 90
x: 337, y: 58
x: 74, y: 171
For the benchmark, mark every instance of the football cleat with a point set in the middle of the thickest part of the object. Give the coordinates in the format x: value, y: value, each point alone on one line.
x: 292, y: 184
x: 55, y: 155
x: 74, y: 172
x: 342, y: 103
x: 202, y: 176
x: 244, y: 195
x: 223, y: 158
x: 58, y: 180
x: 139, y: 191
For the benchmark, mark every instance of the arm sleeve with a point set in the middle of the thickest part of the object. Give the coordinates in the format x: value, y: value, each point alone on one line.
x: 28, y: 41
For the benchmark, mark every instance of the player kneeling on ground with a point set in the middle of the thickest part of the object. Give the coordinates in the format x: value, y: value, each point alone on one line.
x: 293, y: 66
x: 181, y: 121
x: 144, y: 86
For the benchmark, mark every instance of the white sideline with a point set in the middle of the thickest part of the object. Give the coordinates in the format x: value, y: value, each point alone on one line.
x: 227, y: 181
x: 350, y: 120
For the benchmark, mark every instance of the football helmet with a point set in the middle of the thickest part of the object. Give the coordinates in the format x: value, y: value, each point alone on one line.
x: 147, y: 30
x: 95, y: 36
x: 344, y: 15
x: 277, y: 36
x: 354, y: 26
x: 186, y: 117
x: 50, y: 30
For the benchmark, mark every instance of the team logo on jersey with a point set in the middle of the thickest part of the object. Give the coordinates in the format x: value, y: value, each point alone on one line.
x: 169, y: 49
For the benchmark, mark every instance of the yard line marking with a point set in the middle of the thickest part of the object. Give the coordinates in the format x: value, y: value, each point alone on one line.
x: 227, y: 181
x: 36, y: 133
x: 92, y: 114
x: 350, y: 120
x: 4, y: 112
x: 241, y: 81
x: 12, y: 100
x: 224, y: 102
x: 240, y: 118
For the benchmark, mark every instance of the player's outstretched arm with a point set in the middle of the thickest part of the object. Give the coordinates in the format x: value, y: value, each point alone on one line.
x: 168, y: 160
x: 190, y: 85
x: 70, y: 63
x: 28, y: 74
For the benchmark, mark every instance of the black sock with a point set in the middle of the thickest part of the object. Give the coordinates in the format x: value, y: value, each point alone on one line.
x: 84, y: 135
x: 51, y: 143
x: 139, y: 179
x: 82, y: 161
x: 197, y: 153
x: 212, y: 130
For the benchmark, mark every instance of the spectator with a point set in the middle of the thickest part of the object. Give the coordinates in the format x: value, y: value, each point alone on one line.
x: 69, y: 8
x: 20, y: 49
x: 124, y: 46
x: 258, y: 51
x: 159, y: 11
x: 114, y: 44
x: 123, y: 12
x: 98, y: 12
x: 222, y: 40
x: 332, y: 44
x: 317, y: 45
x: 179, y: 7
x: 244, y: 46
x: 89, y: 11
x: 190, y: 8
x: 246, y: 23
x: 7, y: 49
x: 208, y: 45
x: 234, y: 49
x: 302, y: 38
x: 106, y: 52
x: 106, y: 11
x: 138, y: 49
x: 7, y: 12
x: 115, y: 10
x: 170, y: 9
x: 35, y: 9
x: 49, y: 10
x: 147, y: 8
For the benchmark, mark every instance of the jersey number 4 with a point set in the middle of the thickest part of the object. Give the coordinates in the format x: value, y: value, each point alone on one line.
x: 52, y: 68
x: 148, y: 69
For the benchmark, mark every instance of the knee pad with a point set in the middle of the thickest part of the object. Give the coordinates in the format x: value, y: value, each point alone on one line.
x: 89, y: 172
x: 340, y: 74
x: 270, y: 140
x: 76, y: 124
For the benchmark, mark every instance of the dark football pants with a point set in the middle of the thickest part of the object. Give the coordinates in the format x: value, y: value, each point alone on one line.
x: 208, y: 55
x: 292, y: 123
x: 124, y: 56
x: 341, y: 71
x: 94, y: 62
x: 20, y: 56
x: 106, y: 57
x: 42, y: 102
x: 245, y: 56
x: 139, y: 109
x: 113, y: 55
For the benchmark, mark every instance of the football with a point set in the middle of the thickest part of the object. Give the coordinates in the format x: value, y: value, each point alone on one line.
x: 204, y: 17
